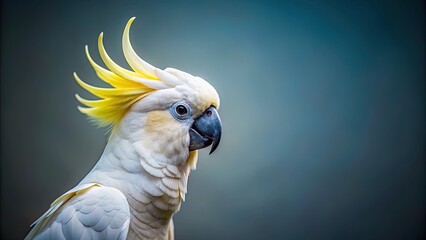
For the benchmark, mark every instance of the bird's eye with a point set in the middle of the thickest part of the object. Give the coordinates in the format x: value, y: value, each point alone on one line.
x: 181, y: 111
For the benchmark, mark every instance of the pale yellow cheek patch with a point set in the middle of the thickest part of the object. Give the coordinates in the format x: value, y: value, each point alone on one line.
x: 162, y: 131
x: 160, y: 120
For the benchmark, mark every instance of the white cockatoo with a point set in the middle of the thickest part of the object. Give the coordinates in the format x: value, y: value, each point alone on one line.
x: 158, y: 119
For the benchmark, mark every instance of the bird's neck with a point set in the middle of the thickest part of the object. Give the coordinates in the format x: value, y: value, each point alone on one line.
x: 153, y: 187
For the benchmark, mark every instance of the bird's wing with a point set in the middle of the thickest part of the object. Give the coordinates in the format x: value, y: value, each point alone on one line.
x: 89, y: 211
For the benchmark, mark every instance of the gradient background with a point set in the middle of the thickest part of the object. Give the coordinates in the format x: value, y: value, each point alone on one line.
x: 323, y: 107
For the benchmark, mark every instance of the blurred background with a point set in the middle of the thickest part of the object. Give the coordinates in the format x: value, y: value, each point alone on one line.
x: 323, y: 107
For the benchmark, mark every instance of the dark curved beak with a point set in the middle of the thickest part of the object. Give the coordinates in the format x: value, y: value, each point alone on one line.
x: 206, y: 130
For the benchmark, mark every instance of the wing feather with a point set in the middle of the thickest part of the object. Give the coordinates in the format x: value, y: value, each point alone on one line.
x: 89, y: 212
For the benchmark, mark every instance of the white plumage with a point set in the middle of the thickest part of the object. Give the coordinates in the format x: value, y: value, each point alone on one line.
x: 141, y: 178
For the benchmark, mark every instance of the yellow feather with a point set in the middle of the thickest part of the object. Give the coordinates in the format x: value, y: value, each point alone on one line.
x: 122, y: 72
x: 103, y: 102
x: 110, y: 92
x: 108, y: 76
x: 135, y: 62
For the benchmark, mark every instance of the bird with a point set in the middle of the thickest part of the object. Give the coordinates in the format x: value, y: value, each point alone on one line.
x: 157, y: 120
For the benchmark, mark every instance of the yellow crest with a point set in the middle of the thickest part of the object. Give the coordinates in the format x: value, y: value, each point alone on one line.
x: 127, y: 87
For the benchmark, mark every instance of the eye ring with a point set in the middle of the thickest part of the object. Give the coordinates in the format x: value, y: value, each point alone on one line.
x: 181, y: 111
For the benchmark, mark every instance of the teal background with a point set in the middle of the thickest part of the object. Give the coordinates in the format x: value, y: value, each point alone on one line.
x: 323, y: 110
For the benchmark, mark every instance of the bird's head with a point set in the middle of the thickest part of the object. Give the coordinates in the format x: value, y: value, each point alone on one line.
x: 169, y: 113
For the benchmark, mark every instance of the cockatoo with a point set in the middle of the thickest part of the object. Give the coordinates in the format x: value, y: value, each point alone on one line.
x: 158, y: 119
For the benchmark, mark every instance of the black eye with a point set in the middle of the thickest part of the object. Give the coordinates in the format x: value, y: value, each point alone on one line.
x: 181, y: 110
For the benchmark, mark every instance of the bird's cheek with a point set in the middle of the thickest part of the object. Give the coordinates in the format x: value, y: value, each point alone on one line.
x: 166, y: 138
